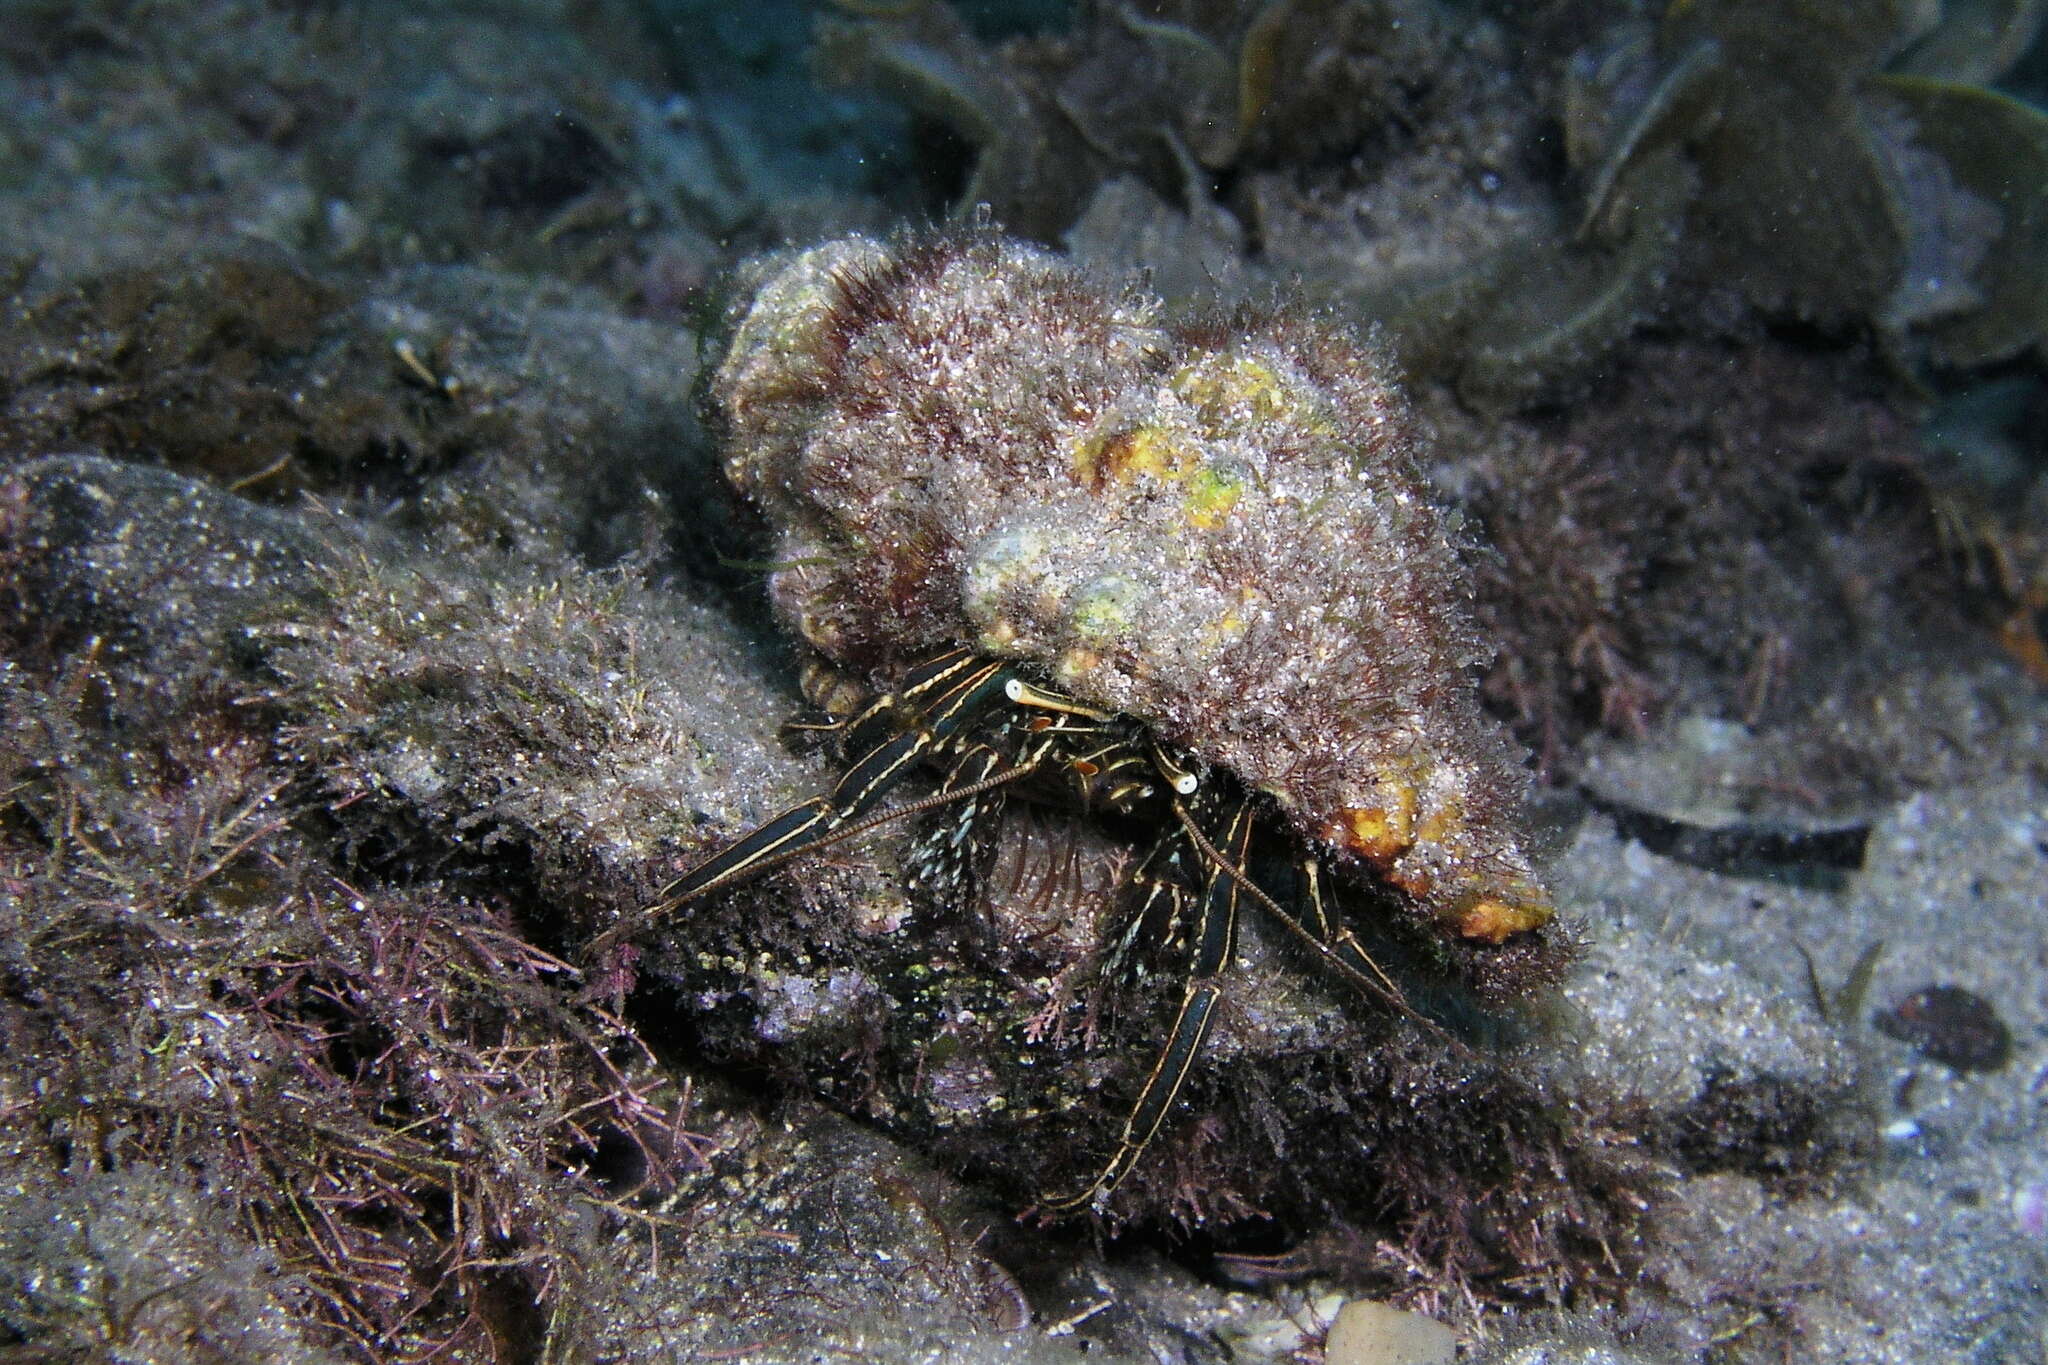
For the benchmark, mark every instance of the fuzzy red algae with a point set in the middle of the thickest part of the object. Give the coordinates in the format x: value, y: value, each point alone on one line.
x: 1215, y: 526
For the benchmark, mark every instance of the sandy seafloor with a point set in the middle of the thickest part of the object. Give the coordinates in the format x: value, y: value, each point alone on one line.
x: 1694, y: 970
x: 136, y: 140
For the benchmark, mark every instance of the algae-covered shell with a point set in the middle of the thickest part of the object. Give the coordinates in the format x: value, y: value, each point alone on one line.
x: 1214, y: 526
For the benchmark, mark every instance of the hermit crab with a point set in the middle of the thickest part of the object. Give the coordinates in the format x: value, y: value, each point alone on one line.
x: 1179, y: 579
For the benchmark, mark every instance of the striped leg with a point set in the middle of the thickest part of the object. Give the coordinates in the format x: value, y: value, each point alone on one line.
x: 1327, y: 937
x: 949, y: 857
x: 945, y: 695
x: 942, y: 696
x: 1210, y: 948
x: 1340, y: 943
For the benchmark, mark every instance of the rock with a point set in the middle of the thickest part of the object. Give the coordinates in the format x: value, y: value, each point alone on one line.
x: 1369, y: 1333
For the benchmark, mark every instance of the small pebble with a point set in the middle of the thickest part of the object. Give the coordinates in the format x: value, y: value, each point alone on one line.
x: 2030, y: 1209
x: 1950, y: 1025
x: 1368, y: 1333
x: 1902, y: 1130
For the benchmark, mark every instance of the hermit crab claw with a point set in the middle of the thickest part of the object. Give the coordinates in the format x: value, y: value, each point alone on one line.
x: 1179, y: 577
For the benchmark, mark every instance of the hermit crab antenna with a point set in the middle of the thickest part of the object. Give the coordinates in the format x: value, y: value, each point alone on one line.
x: 1337, y: 949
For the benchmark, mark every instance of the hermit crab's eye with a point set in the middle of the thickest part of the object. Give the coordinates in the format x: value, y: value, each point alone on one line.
x: 1179, y: 776
x: 1024, y: 694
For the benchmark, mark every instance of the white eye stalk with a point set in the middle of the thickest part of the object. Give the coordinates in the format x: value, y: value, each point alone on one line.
x: 1181, y: 778
x: 1024, y: 694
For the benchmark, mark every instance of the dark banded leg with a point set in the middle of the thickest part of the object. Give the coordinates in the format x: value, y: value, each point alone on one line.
x: 956, y: 689
x: 949, y: 856
x: 802, y: 825
x: 948, y: 692
x: 1165, y: 890
x: 1327, y: 937
x: 1341, y: 942
x: 940, y: 695
x: 1210, y: 948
